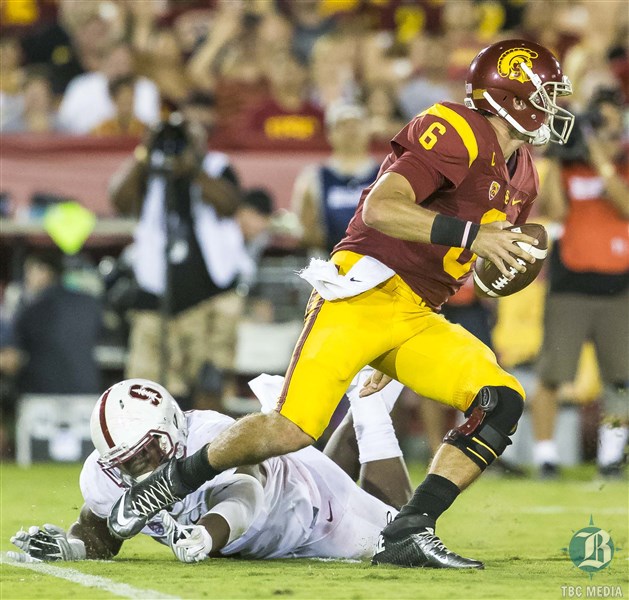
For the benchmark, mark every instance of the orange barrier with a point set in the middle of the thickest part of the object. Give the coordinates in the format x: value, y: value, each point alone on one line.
x: 81, y: 167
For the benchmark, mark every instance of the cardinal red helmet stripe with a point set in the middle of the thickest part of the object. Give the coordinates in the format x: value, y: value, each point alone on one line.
x: 103, y: 420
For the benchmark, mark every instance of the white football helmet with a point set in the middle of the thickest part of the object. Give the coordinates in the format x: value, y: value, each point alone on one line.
x: 128, y: 417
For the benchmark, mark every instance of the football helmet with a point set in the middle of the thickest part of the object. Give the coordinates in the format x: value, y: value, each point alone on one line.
x: 518, y: 69
x: 131, y: 417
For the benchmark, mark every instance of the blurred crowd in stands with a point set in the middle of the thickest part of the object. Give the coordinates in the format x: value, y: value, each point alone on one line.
x: 339, y: 77
x: 261, y: 73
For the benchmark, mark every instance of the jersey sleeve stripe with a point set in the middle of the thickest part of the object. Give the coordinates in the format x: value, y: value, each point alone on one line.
x: 460, y: 125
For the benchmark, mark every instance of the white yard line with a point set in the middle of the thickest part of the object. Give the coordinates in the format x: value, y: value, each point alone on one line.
x: 89, y: 581
x: 556, y: 510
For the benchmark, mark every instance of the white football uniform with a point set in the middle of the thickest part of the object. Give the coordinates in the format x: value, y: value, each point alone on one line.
x: 311, y: 507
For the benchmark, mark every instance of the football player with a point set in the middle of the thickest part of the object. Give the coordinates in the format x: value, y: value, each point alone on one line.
x: 299, y: 505
x: 456, y: 178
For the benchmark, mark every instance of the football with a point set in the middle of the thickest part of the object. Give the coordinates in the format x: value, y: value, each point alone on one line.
x: 490, y: 282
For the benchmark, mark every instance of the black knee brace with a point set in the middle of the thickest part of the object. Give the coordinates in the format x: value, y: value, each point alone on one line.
x: 491, y: 419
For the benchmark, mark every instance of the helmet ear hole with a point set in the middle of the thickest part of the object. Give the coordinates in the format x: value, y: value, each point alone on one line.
x: 519, y: 104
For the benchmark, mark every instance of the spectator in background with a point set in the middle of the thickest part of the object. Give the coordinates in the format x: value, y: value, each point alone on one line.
x: 325, y: 196
x: 254, y: 217
x: 200, y: 107
x: 162, y: 62
x: 309, y: 24
x: 11, y: 79
x: 72, y: 46
x: 384, y: 119
x: 183, y: 326
x: 87, y: 102
x: 9, y: 367
x: 55, y: 332
x: 334, y: 67
x: 124, y: 122
x: 428, y: 85
x: 231, y: 62
x: 37, y: 114
x: 587, y: 188
x: 591, y: 32
x: 461, y: 22
x: 618, y: 57
x: 284, y: 118
x: 254, y: 214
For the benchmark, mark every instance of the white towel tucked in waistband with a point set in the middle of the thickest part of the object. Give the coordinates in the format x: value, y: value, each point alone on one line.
x: 324, y: 277
x: 267, y: 389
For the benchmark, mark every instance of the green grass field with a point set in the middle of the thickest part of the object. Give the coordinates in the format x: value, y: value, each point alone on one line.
x: 520, y: 528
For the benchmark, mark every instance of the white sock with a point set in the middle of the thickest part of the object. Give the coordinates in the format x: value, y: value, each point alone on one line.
x: 611, y: 444
x: 545, y: 451
x: 374, y: 429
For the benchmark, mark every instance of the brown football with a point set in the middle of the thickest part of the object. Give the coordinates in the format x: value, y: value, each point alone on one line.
x: 490, y: 282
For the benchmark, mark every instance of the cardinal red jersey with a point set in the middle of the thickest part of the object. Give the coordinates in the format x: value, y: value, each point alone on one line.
x: 451, y: 157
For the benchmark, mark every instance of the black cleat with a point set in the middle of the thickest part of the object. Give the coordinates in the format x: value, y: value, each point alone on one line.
x: 612, y: 471
x: 422, y: 549
x: 549, y: 471
x: 161, y: 489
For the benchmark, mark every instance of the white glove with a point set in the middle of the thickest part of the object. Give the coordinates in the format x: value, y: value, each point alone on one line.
x: 48, y: 544
x: 189, y: 543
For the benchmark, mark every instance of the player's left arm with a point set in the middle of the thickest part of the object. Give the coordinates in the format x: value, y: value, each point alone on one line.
x: 390, y: 208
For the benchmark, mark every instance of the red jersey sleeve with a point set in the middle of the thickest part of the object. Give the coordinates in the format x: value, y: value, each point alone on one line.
x: 423, y: 178
x: 441, y: 140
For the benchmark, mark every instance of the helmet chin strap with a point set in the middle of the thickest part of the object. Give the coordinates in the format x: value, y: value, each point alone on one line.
x: 538, y: 137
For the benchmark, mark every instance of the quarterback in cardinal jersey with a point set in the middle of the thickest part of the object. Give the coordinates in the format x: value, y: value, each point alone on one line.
x: 457, y: 177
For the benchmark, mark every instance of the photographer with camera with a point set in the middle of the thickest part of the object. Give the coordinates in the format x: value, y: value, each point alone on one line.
x: 587, y: 190
x: 188, y: 254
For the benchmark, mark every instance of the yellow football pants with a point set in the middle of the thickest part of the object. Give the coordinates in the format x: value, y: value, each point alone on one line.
x: 390, y: 328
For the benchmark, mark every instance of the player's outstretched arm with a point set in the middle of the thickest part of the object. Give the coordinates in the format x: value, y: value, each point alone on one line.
x: 93, y: 532
x: 87, y: 538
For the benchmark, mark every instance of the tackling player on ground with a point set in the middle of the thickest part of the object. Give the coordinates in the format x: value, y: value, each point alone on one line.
x: 299, y: 505
x: 456, y: 178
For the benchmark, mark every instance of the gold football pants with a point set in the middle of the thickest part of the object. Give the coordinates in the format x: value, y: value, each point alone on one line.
x: 390, y: 328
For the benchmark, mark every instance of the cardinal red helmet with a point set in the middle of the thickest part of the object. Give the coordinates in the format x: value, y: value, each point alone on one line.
x: 529, y: 72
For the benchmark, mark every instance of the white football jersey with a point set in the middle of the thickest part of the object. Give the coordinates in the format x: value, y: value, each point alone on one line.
x: 311, y: 507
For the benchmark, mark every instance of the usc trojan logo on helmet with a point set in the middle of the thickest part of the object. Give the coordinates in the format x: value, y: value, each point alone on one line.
x: 510, y: 61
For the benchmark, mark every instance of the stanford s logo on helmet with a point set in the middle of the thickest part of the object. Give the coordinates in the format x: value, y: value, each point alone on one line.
x: 128, y: 417
x: 526, y: 71
x: 145, y: 392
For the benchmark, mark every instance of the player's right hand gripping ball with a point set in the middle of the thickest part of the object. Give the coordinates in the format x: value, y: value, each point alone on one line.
x: 489, y: 281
